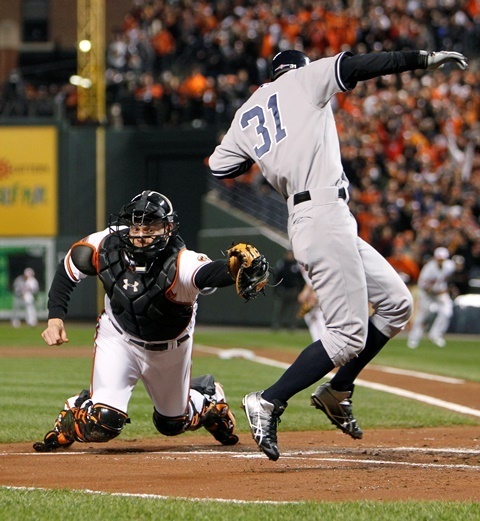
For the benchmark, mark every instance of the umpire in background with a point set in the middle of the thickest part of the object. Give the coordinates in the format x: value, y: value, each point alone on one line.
x: 287, y: 127
x: 288, y: 282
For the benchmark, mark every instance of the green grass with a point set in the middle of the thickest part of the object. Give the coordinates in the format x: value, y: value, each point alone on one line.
x: 40, y: 385
x: 33, y: 389
x: 57, y: 505
x: 459, y: 359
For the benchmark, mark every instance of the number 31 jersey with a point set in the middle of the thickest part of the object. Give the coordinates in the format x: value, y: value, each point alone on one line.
x: 287, y: 127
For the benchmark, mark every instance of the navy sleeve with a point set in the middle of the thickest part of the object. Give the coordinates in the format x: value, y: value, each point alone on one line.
x: 362, y: 67
x: 59, y: 294
x: 214, y: 275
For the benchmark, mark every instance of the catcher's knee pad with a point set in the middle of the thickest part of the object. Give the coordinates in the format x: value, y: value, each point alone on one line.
x: 100, y: 423
x: 170, y: 426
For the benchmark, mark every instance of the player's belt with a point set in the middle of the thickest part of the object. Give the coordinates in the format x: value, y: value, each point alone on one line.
x: 302, y: 197
x: 159, y: 346
x: 152, y: 346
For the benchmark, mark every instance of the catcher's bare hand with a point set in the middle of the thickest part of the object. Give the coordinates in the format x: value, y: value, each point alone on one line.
x: 436, y: 60
x: 55, y: 334
x: 248, y: 268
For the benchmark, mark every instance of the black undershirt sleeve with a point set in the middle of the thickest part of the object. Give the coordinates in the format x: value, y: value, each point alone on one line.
x: 59, y: 294
x: 214, y: 275
x: 362, y: 67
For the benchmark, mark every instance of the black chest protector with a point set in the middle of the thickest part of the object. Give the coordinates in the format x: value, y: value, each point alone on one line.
x: 139, y: 300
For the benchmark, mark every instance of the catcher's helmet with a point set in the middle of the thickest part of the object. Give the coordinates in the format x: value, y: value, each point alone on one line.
x: 287, y: 60
x: 147, y: 208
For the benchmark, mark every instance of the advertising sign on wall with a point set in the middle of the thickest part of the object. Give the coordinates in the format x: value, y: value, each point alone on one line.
x: 28, y: 181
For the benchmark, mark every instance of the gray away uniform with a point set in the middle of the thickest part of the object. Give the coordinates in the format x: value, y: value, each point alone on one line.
x: 287, y: 127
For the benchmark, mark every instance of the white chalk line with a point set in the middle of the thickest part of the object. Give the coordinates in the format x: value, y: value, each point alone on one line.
x: 155, y: 496
x: 250, y: 355
x: 418, y: 374
x: 188, y: 453
x: 310, y: 456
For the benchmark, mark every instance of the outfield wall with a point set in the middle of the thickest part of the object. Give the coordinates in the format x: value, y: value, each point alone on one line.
x: 116, y: 167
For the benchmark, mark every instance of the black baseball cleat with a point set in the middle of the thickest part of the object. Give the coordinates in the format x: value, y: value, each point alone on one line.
x: 337, y: 406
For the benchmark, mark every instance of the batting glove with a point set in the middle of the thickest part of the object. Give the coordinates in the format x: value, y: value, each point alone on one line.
x: 436, y: 60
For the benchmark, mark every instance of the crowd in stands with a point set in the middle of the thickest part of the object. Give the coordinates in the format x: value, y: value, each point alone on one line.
x: 410, y: 143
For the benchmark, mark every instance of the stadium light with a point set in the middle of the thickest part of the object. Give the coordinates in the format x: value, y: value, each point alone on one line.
x: 85, y: 45
x: 80, y: 82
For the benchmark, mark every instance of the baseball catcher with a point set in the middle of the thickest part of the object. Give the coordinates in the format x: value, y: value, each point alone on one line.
x: 151, y: 282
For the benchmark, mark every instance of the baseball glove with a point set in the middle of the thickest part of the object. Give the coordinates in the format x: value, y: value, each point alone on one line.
x: 305, y: 308
x: 249, y: 269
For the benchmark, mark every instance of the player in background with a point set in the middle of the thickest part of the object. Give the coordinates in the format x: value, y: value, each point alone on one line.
x: 145, y: 332
x: 287, y: 128
x: 311, y: 312
x: 25, y: 289
x: 433, y: 293
x: 288, y: 282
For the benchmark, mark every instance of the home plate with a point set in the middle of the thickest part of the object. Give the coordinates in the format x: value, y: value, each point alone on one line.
x: 227, y: 354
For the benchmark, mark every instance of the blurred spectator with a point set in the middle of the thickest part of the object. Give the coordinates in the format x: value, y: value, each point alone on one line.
x: 148, y: 96
x: 404, y: 263
x: 193, y: 89
x: 117, y: 52
x: 13, y: 101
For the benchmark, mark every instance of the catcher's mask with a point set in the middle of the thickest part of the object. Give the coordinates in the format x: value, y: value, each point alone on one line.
x: 145, y: 226
x: 286, y: 61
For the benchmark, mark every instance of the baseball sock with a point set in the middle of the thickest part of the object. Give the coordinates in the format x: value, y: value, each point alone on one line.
x: 311, y: 365
x: 343, y: 380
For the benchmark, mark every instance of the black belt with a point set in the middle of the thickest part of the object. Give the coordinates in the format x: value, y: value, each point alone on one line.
x: 157, y: 346
x: 302, y: 197
x: 152, y: 346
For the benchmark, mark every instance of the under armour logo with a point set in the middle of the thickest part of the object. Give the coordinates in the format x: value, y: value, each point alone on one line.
x: 127, y: 285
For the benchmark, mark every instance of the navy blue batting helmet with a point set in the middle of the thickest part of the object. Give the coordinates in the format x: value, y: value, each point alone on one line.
x: 286, y: 61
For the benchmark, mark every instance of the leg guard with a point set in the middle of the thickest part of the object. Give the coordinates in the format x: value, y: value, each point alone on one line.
x: 98, y: 423
x: 170, y: 426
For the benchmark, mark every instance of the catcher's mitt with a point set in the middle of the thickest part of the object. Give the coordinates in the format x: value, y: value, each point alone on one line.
x: 249, y: 268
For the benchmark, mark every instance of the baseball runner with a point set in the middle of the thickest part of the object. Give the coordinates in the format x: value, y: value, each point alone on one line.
x: 145, y: 332
x: 287, y: 128
x: 433, y: 291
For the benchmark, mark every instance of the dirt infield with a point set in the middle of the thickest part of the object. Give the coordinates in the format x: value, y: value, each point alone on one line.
x: 421, y: 464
